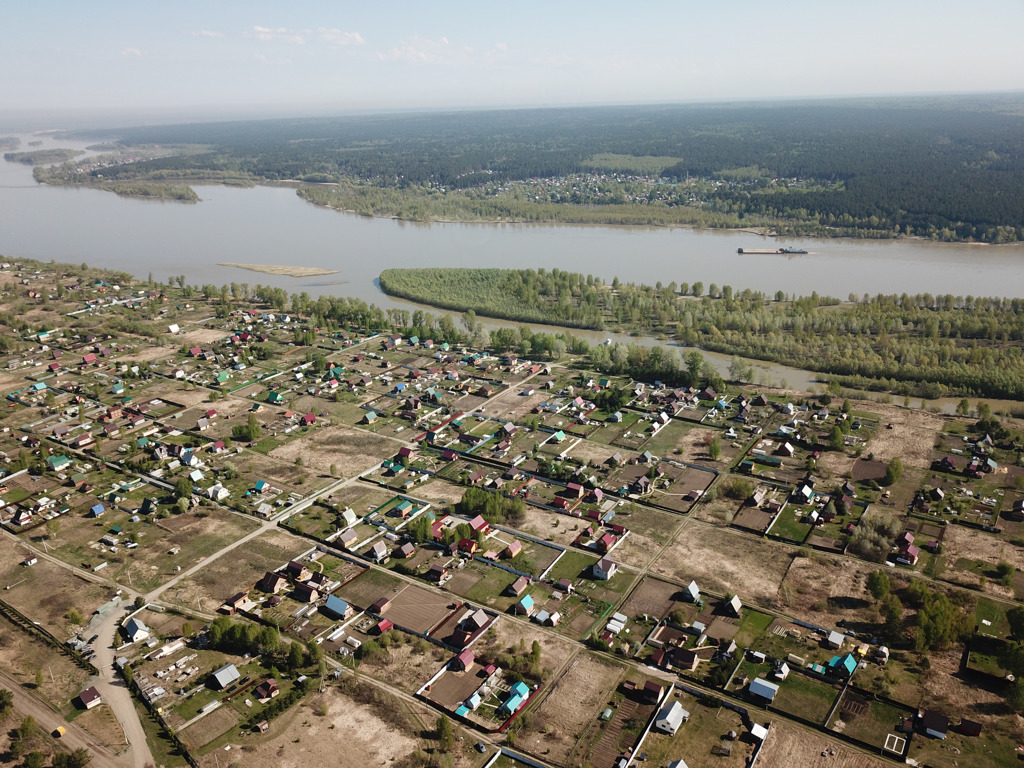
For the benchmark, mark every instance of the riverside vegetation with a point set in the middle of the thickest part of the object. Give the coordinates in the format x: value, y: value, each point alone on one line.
x: 947, y: 168
x: 921, y: 344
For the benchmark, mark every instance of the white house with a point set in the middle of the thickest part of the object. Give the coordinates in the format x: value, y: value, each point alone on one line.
x: 605, y: 568
x: 671, y: 717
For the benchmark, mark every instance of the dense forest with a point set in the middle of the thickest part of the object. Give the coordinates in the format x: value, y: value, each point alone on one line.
x: 949, y: 169
x: 922, y: 344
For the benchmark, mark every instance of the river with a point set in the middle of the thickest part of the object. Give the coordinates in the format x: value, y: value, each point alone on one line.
x: 272, y: 225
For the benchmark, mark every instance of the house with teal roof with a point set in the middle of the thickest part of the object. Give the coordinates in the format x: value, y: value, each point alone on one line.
x: 842, y: 666
x: 525, y: 606
x: 58, y: 463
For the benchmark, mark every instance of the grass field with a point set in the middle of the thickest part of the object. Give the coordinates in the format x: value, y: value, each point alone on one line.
x: 805, y: 697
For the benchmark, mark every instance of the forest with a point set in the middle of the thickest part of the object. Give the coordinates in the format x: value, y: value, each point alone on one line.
x: 922, y: 344
x: 944, y: 168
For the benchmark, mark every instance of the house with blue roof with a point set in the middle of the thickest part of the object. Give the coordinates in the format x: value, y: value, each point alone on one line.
x: 525, y: 606
x: 97, y: 510
x: 763, y: 689
x: 337, y: 608
x: 842, y: 666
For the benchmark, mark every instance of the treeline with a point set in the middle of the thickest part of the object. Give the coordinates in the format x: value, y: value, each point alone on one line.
x: 939, y: 344
x: 944, y: 168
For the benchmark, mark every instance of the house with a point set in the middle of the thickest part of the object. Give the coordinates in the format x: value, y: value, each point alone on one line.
x: 266, y: 690
x: 463, y: 662
x: 437, y: 572
x: 734, y: 606
x: 518, y: 694
x: 337, y: 608
x: 90, y: 697
x: 297, y: 570
x: 842, y: 666
x: 566, y: 586
x: 306, y: 593
x: 223, y: 677
x: 685, y: 659
x: 513, y: 549
x: 136, y: 630
x: 932, y: 723
x: 348, y: 538
x: 234, y: 602
x: 763, y: 689
x: 670, y: 718
x: 383, y: 626
x: 605, y: 568
x: 381, y: 606
x: 653, y: 691
x: 835, y: 639
x: 97, y: 510
x: 517, y: 587
x: 479, y: 525
x: 692, y: 593
x: 469, y: 546
x: 272, y: 583
x: 969, y: 728
x: 379, y: 552
x: 406, y: 550
x: 525, y: 606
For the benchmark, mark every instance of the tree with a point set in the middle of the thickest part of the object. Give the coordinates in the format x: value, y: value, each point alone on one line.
x: 6, y: 702
x: 835, y: 439
x: 715, y: 448
x: 892, y: 612
x: 445, y: 733
x: 963, y: 407
x: 893, y: 471
x: 878, y: 584
x: 740, y: 370
x: 183, y: 488
x: 296, y: 656
x: 1015, y: 616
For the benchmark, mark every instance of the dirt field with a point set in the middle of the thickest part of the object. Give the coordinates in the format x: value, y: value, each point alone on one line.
x: 21, y: 655
x: 811, y: 581
x: 721, y: 561
x: 351, y: 450
x: 201, y: 336
x: 912, y: 436
x: 349, y: 734
x: 694, y: 444
x: 518, y: 636
x: 572, y: 703
x: 46, y: 591
x: 207, y: 588
x: 550, y: 526
x: 440, y: 493
x: 591, y: 453
x: 789, y: 746
x: 410, y: 665
x: 961, y: 541
x: 653, y: 597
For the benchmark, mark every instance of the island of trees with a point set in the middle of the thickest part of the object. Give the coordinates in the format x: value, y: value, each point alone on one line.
x: 942, y: 168
x: 922, y: 344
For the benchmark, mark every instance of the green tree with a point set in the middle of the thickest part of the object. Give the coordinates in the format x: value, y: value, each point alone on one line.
x: 893, y: 471
x: 835, y: 439
x: 715, y: 448
x: 6, y: 702
x: 296, y: 656
x: 1015, y: 616
x: 183, y: 488
x: 878, y: 584
x: 445, y: 734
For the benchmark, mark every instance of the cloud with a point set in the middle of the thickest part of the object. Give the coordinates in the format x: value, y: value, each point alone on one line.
x: 295, y: 36
x: 276, y: 62
x: 207, y: 33
x: 339, y: 38
x: 131, y: 52
x: 419, y: 50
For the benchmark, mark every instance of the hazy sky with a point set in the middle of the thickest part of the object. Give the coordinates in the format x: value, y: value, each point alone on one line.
x: 295, y: 56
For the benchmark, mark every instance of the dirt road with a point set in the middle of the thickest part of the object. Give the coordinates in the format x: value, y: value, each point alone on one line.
x: 75, y: 738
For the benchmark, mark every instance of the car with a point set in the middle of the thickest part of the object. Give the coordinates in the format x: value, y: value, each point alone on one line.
x: 60, y: 731
x: 479, y: 747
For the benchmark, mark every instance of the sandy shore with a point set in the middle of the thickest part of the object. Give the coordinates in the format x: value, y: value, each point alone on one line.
x: 272, y: 269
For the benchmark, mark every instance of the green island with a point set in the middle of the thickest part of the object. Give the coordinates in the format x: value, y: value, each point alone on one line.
x: 942, y: 168
x: 40, y: 156
x: 925, y: 345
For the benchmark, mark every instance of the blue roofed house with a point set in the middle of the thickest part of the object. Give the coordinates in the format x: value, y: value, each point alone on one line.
x: 525, y: 605
x: 517, y: 696
x: 337, y: 607
x: 763, y: 689
x: 842, y: 666
x: 97, y: 510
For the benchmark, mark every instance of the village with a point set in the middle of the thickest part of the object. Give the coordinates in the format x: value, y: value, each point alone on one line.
x: 284, y: 527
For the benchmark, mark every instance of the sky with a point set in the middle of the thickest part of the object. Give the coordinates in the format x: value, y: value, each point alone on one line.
x: 161, y: 60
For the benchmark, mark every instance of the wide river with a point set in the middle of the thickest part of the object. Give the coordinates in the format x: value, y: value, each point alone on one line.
x: 271, y: 225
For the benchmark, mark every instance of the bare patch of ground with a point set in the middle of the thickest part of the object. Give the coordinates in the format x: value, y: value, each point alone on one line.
x: 572, y: 703
x: 352, y: 451
x: 550, y: 526
x: 825, y: 589
x: 835, y: 464
x: 726, y: 561
x: 202, y: 336
x: 440, y: 492
x: 789, y: 745
x: 694, y: 444
x: 518, y: 636
x: 207, y: 589
x: 590, y: 453
x: 349, y: 733
x: 410, y: 665
x: 912, y: 437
